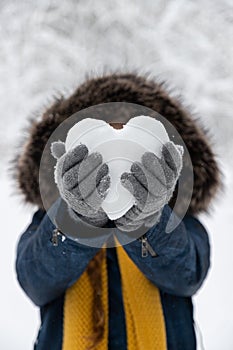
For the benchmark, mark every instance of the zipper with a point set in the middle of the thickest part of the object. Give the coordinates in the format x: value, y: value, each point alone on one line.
x: 146, y: 247
x: 55, y: 239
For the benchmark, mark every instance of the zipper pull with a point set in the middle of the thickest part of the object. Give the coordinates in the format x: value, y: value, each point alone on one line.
x: 146, y: 247
x: 54, y: 238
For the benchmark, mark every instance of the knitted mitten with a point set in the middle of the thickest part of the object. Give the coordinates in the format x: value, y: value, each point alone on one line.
x: 82, y: 180
x: 152, y: 183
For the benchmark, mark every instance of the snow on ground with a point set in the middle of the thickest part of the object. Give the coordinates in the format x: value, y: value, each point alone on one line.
x: 19, y: 317
x: 49, y: 46
x: 213, y: 303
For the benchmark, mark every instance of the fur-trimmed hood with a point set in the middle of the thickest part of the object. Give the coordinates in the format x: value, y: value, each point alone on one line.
x: 129, y: 88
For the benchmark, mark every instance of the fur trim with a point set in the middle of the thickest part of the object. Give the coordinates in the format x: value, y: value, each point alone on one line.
x: 117, y: 88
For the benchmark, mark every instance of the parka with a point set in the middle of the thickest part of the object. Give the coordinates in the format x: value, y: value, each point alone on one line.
x: 46, y: 268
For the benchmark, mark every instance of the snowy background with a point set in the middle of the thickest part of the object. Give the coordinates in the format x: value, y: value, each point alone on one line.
x: 50, y: 46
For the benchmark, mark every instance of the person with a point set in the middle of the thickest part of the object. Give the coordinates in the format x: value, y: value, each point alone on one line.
x: 137, y: 295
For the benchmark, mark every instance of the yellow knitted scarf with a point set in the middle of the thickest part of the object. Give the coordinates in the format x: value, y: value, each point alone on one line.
x: 143, y: 310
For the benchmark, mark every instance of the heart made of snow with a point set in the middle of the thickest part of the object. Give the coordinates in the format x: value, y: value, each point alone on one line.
x: 119, y: 149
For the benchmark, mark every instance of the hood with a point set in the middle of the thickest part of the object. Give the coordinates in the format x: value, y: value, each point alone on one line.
x: 129, y: 88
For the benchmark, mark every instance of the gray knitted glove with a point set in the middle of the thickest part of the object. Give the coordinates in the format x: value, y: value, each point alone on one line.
x: 152, y: 183
x: 82, y: 181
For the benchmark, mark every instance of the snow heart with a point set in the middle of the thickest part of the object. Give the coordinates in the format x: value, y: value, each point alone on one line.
x: 119, y: 148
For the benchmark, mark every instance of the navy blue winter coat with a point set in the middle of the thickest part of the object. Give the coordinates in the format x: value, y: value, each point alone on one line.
x: 46, y: 270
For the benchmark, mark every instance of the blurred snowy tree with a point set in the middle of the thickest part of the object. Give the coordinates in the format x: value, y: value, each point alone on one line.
x: 48, y: 46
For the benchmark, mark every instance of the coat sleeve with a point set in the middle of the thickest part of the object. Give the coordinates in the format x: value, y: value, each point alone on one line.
x: 183, y: 256
x: 45, y: 270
